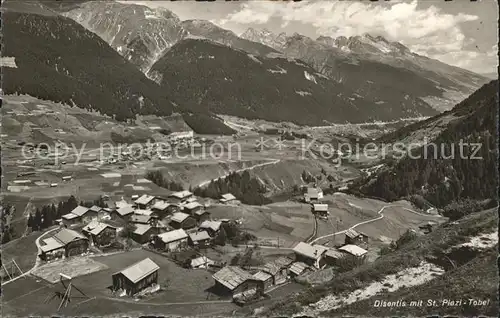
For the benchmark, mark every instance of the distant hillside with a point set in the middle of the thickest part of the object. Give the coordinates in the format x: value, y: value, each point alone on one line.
x: 205, y: 76
x: 437, y: 175
x: 59, y: 60
x: 370, y: 64
x: 206, y: 29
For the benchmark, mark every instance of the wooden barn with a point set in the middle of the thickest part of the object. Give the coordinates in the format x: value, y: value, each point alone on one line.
x: 199, y: 239
x: 171, y: 241
x: 278, y: 269
x: 355, y: 238
x: 137, y: 277
x: 234, y: 281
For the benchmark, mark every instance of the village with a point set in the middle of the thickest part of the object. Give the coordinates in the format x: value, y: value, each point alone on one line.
x: 180, y: 228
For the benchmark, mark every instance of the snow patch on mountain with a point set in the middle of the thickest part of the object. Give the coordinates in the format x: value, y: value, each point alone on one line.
x: 8, y: 62
x: 279, y: 71
x: 303, y: 93
x: 409, y: 277
x: 310, y: 77
x: 253, y: 58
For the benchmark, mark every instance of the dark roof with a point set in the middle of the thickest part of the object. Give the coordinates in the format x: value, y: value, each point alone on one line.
x: 275, y: 266
x: 232, y: 277
x: 351, y: 233
x: 66, y: 236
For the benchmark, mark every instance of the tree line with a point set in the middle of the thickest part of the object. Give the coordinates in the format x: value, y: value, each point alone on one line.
x: 157, y: 178
x: 46, y: 216
x: 441, y: 175
x: 245, y: 188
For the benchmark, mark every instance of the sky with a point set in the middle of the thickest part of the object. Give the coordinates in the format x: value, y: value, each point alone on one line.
x: 459, y: 32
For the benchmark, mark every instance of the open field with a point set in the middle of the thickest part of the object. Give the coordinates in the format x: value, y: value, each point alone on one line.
x: 22, y: 250
x: 290, y: 221
x: 73, y: 267
x: 180, y: 286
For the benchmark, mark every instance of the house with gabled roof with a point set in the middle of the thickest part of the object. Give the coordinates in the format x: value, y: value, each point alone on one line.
x: 141, y: 219
x: 181, y: 220
x: 212, y: 227
x: 179, y: 197
x: 313, y: 195
x: 202, y: 262
x: 191, y: 208
x: 99, y: 233
x: 278, y: 269
x: 123, y: 213
x: 320, y: 209
x: 354, y: 250
x: 312, y: 255
x: 145, y: 201
x: 162, y: 208
x: 136, y: 277
x: 356, y: 238
x: 234, y: 281
x: 172, y: 241
x: 65, y: 243
x: 227, y: 198
x: 143, y: 233
x: 80, y: 214
x: 299, y: 268
x: 199, y: 239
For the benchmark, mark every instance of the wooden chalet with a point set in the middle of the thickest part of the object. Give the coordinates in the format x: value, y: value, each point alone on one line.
x: 64, y: 243
x: 234, y: 281
x: 99, y: 234
x: 180, y: 197
x: 312, y: 255
x: 278, y: 269
x: 212, y: 227
x: 78, y: 215
x: 200, y: 239
x: 143, y: 233
x: 355, y: 238
x: 227, y: 198
x: 145, y: 201
x: 181, y: 220
x: 171, y: 241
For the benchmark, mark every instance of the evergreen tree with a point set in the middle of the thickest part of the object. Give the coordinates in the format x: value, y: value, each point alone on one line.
x: 37, y: 222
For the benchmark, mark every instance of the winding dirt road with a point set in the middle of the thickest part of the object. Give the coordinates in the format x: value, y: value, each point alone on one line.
x: 37, y: 261
x: 372, y: 220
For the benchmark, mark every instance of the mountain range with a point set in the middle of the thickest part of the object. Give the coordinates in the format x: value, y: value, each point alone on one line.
x: 255, y: 75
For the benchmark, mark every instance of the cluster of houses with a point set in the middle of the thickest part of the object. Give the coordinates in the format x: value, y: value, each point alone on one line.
x: 241, y: 284
x: 314, y: 196
x: 169, y: 223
